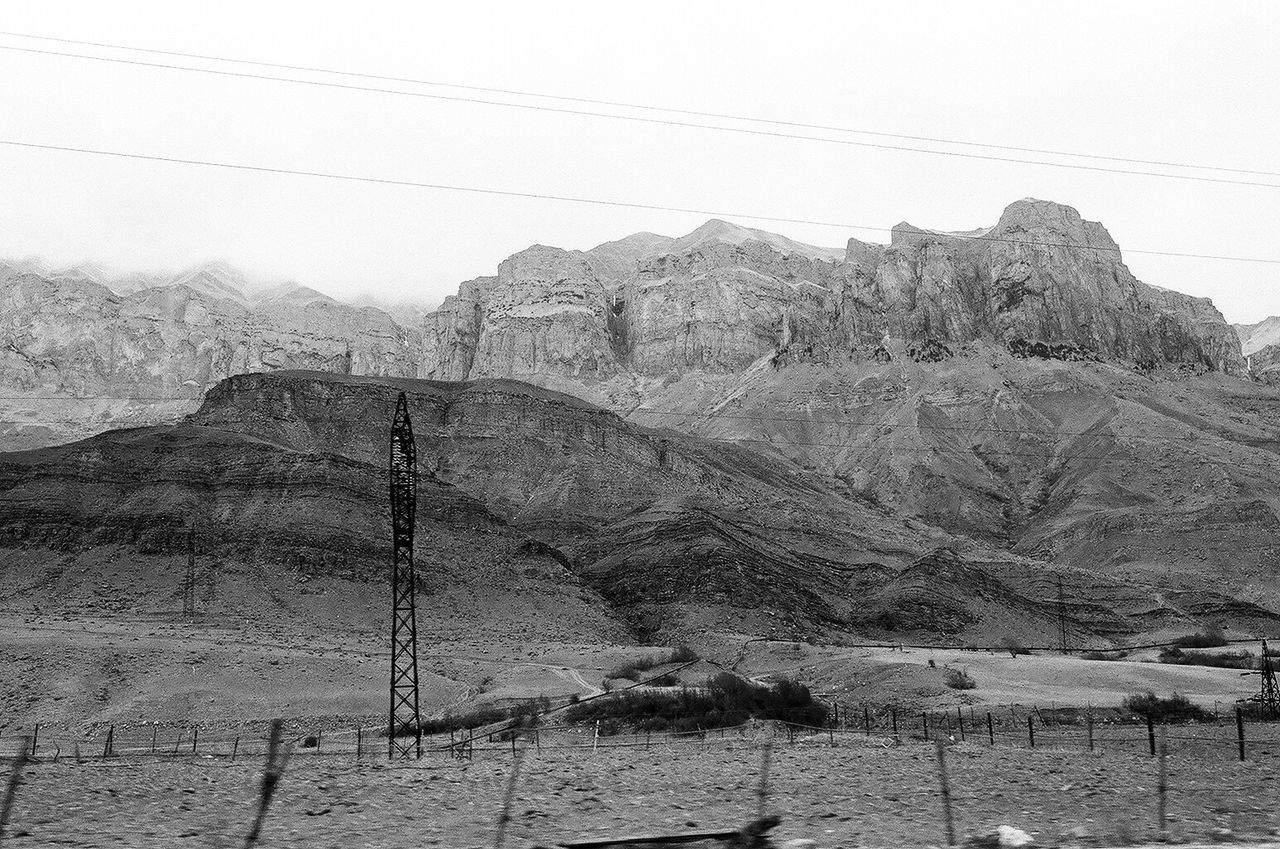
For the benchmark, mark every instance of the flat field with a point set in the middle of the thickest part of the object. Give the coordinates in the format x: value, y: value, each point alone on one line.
x: 861, y: 792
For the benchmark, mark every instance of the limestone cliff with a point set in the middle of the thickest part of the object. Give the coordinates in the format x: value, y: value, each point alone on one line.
x: 724, y: 297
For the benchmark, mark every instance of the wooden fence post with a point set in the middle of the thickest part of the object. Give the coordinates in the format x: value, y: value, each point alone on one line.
x: 359, y: 743
x: 154, y: 730
x: 11, y: 789
x: 1088, y: 722
x: 762, y: 789
x: 893, y: 717
x: 1031, y: 732
x: 235, y: 747
x: 1240, y: 731
x: 960, y: 722
x: 991, y: 729
x: 35, y: 736
x: 946, y: 793
x: 1151, y: 735
x: 177, y: 742
x: 924, y: 723
x: 108, y: 749
x: 1162, y: 782
x: 195, y: 738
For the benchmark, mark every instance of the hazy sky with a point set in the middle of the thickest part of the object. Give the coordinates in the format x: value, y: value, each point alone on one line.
x: 1189, y: 83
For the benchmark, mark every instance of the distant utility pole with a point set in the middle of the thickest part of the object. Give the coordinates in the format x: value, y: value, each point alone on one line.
x: 403, y: 723
x: 189, y: 580
x: 1062, y: 620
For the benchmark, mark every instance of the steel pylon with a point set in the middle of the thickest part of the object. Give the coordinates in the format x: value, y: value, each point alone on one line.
x: 404, y: 733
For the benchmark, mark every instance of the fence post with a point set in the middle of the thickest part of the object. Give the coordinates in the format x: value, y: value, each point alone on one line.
x: 177, y: 742
x: 1162, y: 783
x: 946, y: 792
x: 235, y: 747
x: 991, y: 729
x: 107, y: 748
x: 195, y: 738
x: 11, y: 789
x: 893, y: 716
x: 924, y: 723
x: 762, y: 789
x: 318, y: 735
x: 1031, y: 732
x: 835, y: 719
x: 1088, y: 722
x: 1240, y: 731
x: 960, y: 722
x: 35, y: 736
x: 505, y: 816
x: 359, y: 743
x: 1151, y: 735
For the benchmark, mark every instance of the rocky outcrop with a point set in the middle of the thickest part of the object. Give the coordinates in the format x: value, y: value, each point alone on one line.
x: 724, y: 297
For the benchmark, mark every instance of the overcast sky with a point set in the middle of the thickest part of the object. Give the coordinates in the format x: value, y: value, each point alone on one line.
x: 1188, y: 83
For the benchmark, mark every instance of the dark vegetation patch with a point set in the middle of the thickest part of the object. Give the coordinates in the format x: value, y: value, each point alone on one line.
x: 1071, y: 353
x: 958, y: 679
x: 1221, y: 660
x: 1176, y: 708
x: 525, y: 712
x: 930, y: 351
x: 633, y: 670
x: 1105, y: 655
x: 1208, y: 638
x: 724, y: 702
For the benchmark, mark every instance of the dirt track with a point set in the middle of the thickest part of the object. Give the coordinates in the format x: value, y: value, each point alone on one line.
x: 855, y: 794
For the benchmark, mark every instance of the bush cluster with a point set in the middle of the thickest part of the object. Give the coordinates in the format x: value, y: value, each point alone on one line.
x: 1222, y: 660
x: 632, y: 669
x: 1174, y: 709
x: 525, y: 711
x: 958, y: 679
x: 1211, y: 637
x: 1105, y: 655
x: 725, y: 701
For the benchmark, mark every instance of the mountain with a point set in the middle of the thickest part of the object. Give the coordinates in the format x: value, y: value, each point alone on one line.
x: 722, y: 299
x: 1255, y: 337
x: 77, y: 357
x: 536, y: 501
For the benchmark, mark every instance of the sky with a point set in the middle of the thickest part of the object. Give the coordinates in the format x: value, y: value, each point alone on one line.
x: 1191, y: 83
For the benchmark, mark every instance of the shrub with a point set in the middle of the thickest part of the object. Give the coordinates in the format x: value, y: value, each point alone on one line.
x: 958, y: 679
x: 632, y: 669
x: 683, y: 654
x: 1103, y: 655
x: 667, y: 680
x: 1210, y: 637
x: 1221, y: 660
x: 1176, y: 708
x: 1014, y: 647
x: 725, y: 701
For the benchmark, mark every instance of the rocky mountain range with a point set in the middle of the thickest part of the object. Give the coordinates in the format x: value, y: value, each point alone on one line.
x: 729, y: 432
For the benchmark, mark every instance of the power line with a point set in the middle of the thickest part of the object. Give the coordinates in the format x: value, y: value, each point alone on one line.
x: 643, y: 120
x: 642, y: 106
x: 263, y: 169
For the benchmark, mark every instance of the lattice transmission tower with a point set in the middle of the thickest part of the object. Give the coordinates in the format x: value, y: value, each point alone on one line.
x: 1268, y: 698
x: 404, y: 733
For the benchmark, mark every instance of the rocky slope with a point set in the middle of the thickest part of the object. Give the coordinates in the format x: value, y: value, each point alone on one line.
x: 539, y: 506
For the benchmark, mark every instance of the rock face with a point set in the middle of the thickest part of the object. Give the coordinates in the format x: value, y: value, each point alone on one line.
x: 724, y: 297
x: 73, y: 350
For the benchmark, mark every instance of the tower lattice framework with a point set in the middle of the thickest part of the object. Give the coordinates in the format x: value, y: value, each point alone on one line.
x: 404, y: 734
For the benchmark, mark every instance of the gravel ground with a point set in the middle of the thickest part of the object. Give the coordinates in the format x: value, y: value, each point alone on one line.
x: 857, y: 793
